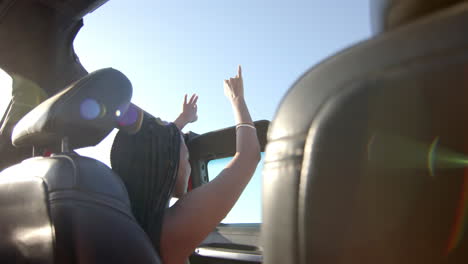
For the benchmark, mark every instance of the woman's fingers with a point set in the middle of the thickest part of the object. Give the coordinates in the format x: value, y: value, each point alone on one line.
x: 234, y: 87
x: 185, y: 99
x: 192, y: 98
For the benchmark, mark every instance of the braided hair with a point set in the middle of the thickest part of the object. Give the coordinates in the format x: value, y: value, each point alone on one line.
x: 148, y: 162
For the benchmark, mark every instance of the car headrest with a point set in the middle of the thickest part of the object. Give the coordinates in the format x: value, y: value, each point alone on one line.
x: 84, y: 113
x: 388, y: 14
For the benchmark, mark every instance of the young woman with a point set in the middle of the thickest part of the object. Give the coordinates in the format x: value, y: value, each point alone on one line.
x: 154, y: 165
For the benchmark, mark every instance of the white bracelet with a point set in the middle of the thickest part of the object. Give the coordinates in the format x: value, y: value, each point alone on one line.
x: 245, y: 125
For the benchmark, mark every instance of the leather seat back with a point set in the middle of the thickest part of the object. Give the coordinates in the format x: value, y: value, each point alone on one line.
x: 25, y: 222
x: 80, y: 208
x: 366, y: 156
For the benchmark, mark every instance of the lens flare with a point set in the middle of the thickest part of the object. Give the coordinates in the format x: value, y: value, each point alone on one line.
x: 461, y: 217
x: 128, y: 117
x: 103, y: 111
x: 398, y: 152
x: 440, y: 157
x: 431, y: 156
x: 90, y: 109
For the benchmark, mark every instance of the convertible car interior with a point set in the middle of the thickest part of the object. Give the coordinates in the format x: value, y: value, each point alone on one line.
x: 373, y: 170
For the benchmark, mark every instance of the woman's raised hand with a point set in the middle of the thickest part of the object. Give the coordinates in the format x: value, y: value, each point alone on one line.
x: 189, y: 112
x: 189, y: 109
x: 234, y: 87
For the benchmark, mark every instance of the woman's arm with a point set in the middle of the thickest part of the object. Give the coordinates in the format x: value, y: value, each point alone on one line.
x: 197, y: 213
x: 189, y: 112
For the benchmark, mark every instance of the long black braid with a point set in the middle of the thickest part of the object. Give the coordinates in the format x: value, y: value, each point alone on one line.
x: 148, y: 162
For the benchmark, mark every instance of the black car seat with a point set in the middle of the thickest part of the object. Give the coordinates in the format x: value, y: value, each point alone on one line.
x: 367, y: 151
x: 67, y: 208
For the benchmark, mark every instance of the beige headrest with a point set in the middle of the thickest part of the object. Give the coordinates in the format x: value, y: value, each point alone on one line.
x: 389, y: 14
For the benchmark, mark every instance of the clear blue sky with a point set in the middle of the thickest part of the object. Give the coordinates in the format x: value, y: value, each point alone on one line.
x: 169, y: 48
x: 249, y: 206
